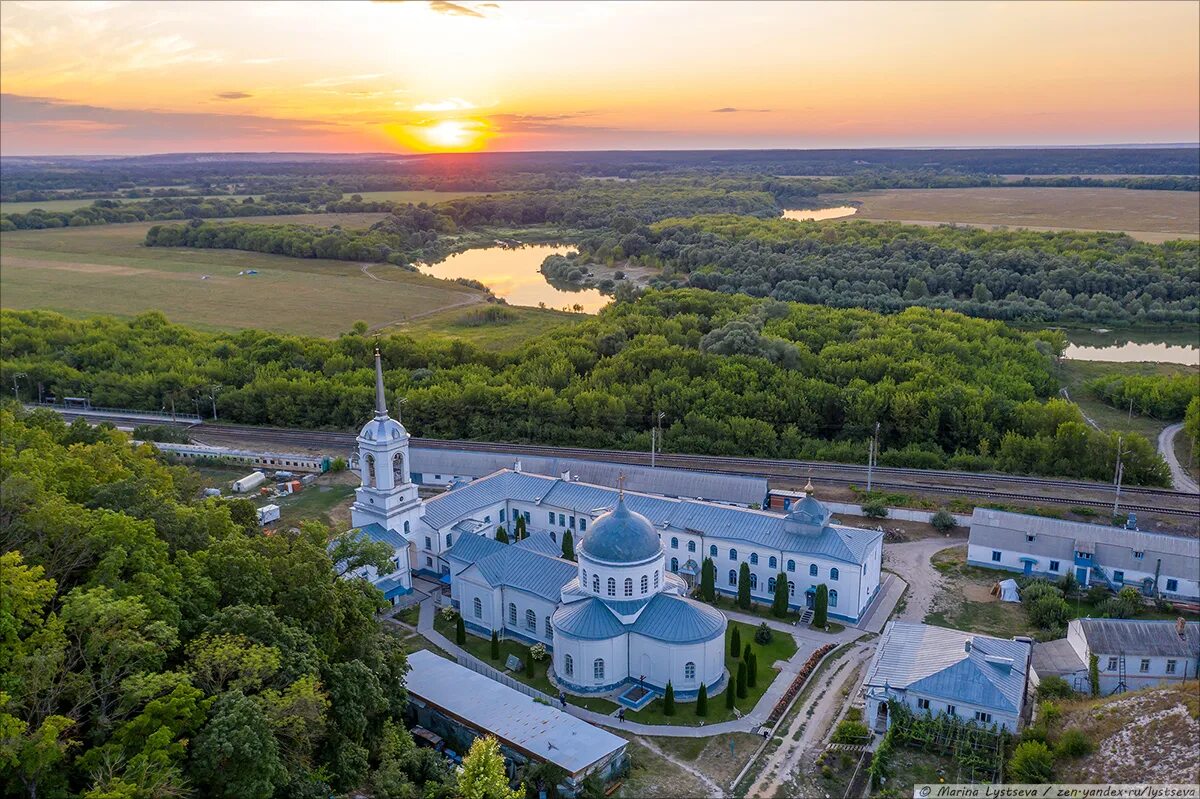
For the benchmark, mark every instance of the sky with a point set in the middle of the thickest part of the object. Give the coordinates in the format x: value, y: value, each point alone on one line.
x: 110, y: 77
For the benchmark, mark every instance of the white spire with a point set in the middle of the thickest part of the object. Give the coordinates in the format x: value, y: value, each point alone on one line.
x: 380, y: 398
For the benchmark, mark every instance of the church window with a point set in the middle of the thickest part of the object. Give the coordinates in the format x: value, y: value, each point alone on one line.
x: 753, y: 582
x: 628, y: 586
x: 691, y: 546
x: 595, y: 584
x: 582, y: 525
x: 732, y: 577
x: 562, y: 520
x: 569, y: 666
x: 656, y: 578
x: 571, y: 522
x: 812, y: 570
x: 531, y: 620
x: 712, y: 551
x: 429, y: 562
x: 478, y: 605
x: 833, y: 598
x: 772, y: 563
x: 406, y: 528
x: 733, y: 554
x: 791, y: 565
x: 791, y: 588
x: 552, y: 517
x: 689, y: 670
x: 488, y: 519
x: 553, y: 536
x: 753, y: 558
x: 502, y: 514
x: 448, y: 540
x: 674, y: 564
x: 612, y: 586
x: 598, y: 669
x: 833, y: 574
x: 512, y: 613
x: 770, y: 585
x: 428, y: 543
x: 645, y: 583
x: 527, y: 519
x: 674, y: 542
x: 549, y: 629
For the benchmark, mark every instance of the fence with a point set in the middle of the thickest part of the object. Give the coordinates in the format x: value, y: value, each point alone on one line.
x: 487, y: 671
x: 92, y: 410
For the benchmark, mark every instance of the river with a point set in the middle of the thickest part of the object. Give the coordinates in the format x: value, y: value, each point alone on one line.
x: 512, y: 273
x: 1126, y: 346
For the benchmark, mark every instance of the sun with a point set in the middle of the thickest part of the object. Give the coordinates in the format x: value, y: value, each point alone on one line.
x: 446, y: 135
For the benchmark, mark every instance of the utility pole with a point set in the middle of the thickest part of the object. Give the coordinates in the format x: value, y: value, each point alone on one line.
x: 1120, y: 471
x: 16, y: 394
x: 872, y: 452
x: 1131, y: 409
x: 653, y: 433
x: 212, y: 395
x: 656, y: 436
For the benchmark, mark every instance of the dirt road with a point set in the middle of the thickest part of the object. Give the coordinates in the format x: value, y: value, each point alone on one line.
x: 910, y: 560
x: 1179, y: 476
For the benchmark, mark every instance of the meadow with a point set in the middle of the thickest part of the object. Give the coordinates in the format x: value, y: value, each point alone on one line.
x: 105, y: 269
x: 492, y: 327
x: 1151, y: 216
x: 415, y: 196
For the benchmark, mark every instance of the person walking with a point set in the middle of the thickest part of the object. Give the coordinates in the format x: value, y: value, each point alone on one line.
x: 621, y: 715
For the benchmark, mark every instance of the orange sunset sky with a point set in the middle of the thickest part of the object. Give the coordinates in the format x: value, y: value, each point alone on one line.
x: 145, y: 77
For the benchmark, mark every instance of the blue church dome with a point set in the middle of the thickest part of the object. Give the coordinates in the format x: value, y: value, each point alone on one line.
x: 807, y: 516
x: 621, y: 536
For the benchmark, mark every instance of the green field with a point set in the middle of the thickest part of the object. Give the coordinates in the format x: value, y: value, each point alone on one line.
x: 104, y: 269
x: 1074, y: 374
x: 516, y: 324
x: 415, y: 196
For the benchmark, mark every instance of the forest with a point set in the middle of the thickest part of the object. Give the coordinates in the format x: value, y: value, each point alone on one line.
x: 156, y: 645
x: 1017, y: 275
x: 733, y: 374
x: 1164, y: 397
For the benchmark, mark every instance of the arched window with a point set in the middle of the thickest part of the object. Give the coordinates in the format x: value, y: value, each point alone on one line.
x: 791, y: 565
x: 812, y: 570
x: 645, y: 583
x: 753, y: 582
x: 512, y: 613
x: 531, y: 620
x: 674, y: 564
x: 478, y: 606
x: 732, y: 577
x: 791, y: 588
x: 833, y: 598
x: 656, y: 578
x: 595, y: 584
x: 369, y: 471
x: 689, y: 671
x: 406, y: 528
x: 772, y: 563
x: 549, y: 629
x: 612, y: 586
x: 753, y: 558
x: 833, y: 574
x: 712, y: 551
x: 733, y: 554
x: 553, y: 536
x: 691, y: 546
x: 628, y: 586
x: 674, y: 542
x: 568, y: 666
x: 398, y: 477
x: 598, y: 669
x: 770, y: 585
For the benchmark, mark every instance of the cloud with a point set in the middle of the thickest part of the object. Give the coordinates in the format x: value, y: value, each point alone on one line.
x: 449, y: 104
x: 730, y: 110
x: 453, y: 9
x: 233, y: 96
x: 333, y: 82
x: 546, y: 123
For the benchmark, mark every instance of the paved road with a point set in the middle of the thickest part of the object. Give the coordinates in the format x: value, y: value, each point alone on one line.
x: 1179, y: 476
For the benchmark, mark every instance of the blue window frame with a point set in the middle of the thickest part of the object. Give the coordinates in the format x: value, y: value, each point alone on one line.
x: 527, y: 518
x: 753, y: 558
x: 582, y: 525
x: 733, y: 554
x: 1054, y: 565
x: 562, y: 520
x: 773, y: 563
x: 995, y: 556
x: 812, y: 570
x: 791, y: 565
x: 1172, y: 585
x: 1118, y: 576
x: 552, y: 517
x: 712, y: 551
x: 449, y: 538
x: 674, y: 542
x: 833, y: 574
x: 833, y: 598
x: 732, y: 577
x: 571, y: 522
x: 770, y: 585
x: 502, y: 514
x: 674, y: 564
x: 691, y: 546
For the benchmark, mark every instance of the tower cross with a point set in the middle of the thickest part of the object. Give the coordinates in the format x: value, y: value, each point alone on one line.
x: 621, y: 484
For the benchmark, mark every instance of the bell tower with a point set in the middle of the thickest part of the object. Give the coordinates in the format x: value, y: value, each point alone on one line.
x: 387, y: 496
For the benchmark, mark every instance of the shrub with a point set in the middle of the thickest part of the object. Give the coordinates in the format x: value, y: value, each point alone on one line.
x: 851, y: 732
x: 943, y: 521
x: 735, y: 642
x: 538, y: 652
x: 449, y: 613
x: 460, y: 631
x: 1049, y: 611
x: 1039, y: 588
x: 1049, y: 713
x: 1032, y: 762
x: 1054, y: 687
x: 729, y: 697
x: 1094, y: 674
x: 763, y: 635
x: 495, y: 651
x: 875, y: 509
x: 1097, y: 594
x: 1073, y: 743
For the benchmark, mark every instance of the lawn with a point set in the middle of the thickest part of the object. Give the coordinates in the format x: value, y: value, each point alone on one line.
x: 494, y: 327
x: 314, y: 502
x: 781, y: 647
x: 720, y: 757
x: 482, y: 649
x: 1073, y: 374
x: 104, y: 269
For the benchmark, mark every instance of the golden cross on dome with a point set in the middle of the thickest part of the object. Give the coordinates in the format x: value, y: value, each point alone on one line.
x: 621, y: 484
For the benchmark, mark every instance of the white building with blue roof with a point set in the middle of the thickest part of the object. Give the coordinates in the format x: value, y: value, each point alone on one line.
x: 977, y: 678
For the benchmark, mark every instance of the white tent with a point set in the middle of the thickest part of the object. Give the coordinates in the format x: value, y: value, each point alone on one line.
x: 1008, y: 591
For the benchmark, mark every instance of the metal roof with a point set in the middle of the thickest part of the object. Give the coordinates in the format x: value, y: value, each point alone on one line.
x: 526, y: 570
x: 542, y: 543
x: 676, y: 620
x: 621, y: 536
x: 589, y: 620
x: 937, y: 661
x: 1056, y: 657
x: 1114, y: 547
x: 544, y: 732
x: 470, y: 548
x: 751, y: 526
x: 380, y: 534
x: 713, y: 486
x: 1140, y: 638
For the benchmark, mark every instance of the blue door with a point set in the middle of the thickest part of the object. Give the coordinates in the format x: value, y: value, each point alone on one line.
x: 1081, y: 575
x: 1029, y: 567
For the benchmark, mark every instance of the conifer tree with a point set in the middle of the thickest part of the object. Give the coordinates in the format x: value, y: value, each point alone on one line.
x: 741, y: 679
x: 669, y: 700
x: 821, y: 606
x: 460, y: 631
x: 568, y: 545
x: 729, y: 697
x: 702, y: 701
x: 495, y: 646
x: 501, y: 534
x: 735, y: 642
x: 751, y: 670
x: 520, y: 528
x: 779, y: 608
x: 743, y: 596
x: 708, y: 581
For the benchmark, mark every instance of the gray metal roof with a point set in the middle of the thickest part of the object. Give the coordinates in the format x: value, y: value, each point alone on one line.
x: 541, y: 542
x: 589, y: 620
x: 713, y: 486
x: 938, y: 662
x: 1056, y: 657
x: 676, y: 620
x: 1114, y: 547
x: 1140, y: 638
x: 380, y: 534
x: 515, y: 719
x: 621, y: 536
x: 470, y: 548
x: 755, y: 527
x: 526, y: 570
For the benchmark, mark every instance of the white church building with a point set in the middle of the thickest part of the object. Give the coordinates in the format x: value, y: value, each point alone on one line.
x: 620, y: 614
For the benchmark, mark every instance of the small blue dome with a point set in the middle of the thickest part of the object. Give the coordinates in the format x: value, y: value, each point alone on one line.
x: 621, y: 536
x: 383, y: 430
x: 808, y: 515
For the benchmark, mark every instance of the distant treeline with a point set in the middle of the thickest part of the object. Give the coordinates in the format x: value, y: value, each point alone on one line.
x: 1164, y: 397
x: 1022, y: 275
x: 734, y: 376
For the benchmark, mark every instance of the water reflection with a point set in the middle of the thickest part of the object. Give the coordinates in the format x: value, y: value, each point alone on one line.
x: 1128, y: 346
x: 512, y: 273
x: 817, y: 214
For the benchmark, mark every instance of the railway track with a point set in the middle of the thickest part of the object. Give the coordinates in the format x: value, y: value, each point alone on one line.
x: 996, y: 487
